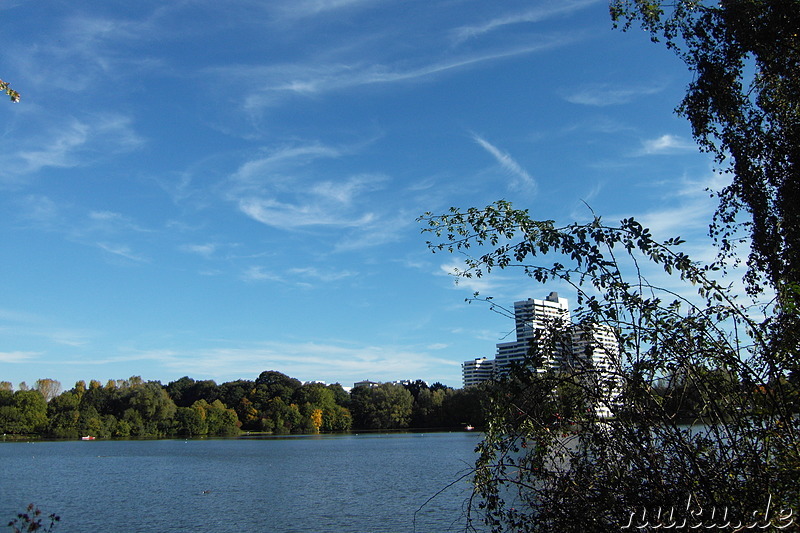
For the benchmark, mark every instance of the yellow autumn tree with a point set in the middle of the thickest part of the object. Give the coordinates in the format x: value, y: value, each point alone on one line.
x: 316, y: 419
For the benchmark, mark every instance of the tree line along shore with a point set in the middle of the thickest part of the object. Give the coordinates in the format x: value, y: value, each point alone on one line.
x: 279, y: 404
x: 273, y: 403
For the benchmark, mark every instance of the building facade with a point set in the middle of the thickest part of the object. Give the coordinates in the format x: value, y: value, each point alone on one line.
x: 546, y: 340
x: 477, y: 371
x: 540, y: 327
x: 595, y: 358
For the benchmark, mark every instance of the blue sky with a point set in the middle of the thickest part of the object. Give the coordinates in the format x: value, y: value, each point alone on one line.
x: 215, y: 189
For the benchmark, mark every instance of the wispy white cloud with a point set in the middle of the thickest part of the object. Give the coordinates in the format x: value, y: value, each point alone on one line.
x: 259, y: 273
x: 305, y: 360
x: 322, y: 275
x: 522, y: 180
x: 72, y: 143
x: 685, y: 218
x: 299, y: 276
x: 582, y: 209
x: 117, y: 133
x: 122, y: 250
x: 269, y: 85
x: 95, y: 228
x: 483, y: 285
x: 84, y: 52
x: 59, y: 152
x: 278, y: 190
x: 206, y: 250
x: 296, y: 215
x: 666, y: 144
x: 309, y: 8
x: 601, y: 95
x: 282, y: 158
x: 344, y: 192
x: 18, y: 357
x: 686, y: 208
x: 384, y: 229
x: 111, y: 222
x: 536, y: 14
x: 41, y: 210
x: 22, y: 324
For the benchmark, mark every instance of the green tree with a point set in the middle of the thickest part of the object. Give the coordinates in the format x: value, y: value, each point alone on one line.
x: 63, y: 413
x: 218, y: 419
x: 323, y: 398
x: 185, y: 391
x: 6, y: 397
x: 280, y: 417
x: 176, y: 390
x: 96, y: 397
x: 387, y: 406
x: 340, y: 396
x: 190, y: 421
x: 343, y: 420
x: 248, y: 415
x: 744, y: 108
x: 225, y: 421
x: 29, y: 413
x: 154, y: 405
x: 425, y: 408
x: 122, y: 429
x: 535, y: 473
x: 274, y: 384
x: 79, y: 389
x: 234, y: 394
x: 462, y: 407
x: 9, y: 414
x: 135, y: 423
x: 90, y: 422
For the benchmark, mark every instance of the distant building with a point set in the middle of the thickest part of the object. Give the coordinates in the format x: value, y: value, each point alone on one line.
x: 548, y: 341
x: 535, y: 324
x: 365, y: 383
x: 477, y: 371
x: 531, y: 315
x: 595, y: 356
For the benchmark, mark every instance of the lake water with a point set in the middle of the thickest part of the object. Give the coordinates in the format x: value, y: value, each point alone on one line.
x: 343, y: 483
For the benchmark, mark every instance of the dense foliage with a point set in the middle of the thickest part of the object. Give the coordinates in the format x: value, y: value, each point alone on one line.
x: 273, y: 403
x: 548, y: 463
x: 692, y: 348
x: 744, y: 108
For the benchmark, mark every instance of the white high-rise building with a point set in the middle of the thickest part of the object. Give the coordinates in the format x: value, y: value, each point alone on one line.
x: 595, y: 358
x: 547, y: 340
x: 531, y: 315
x: 536, y: 323
x: 477, y: 371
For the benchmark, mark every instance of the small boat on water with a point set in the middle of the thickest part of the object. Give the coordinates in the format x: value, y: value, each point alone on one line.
x: 469, y: 428
x: 88, y: 437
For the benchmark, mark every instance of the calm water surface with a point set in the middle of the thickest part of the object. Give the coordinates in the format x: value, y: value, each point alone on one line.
x: 343, y: 483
